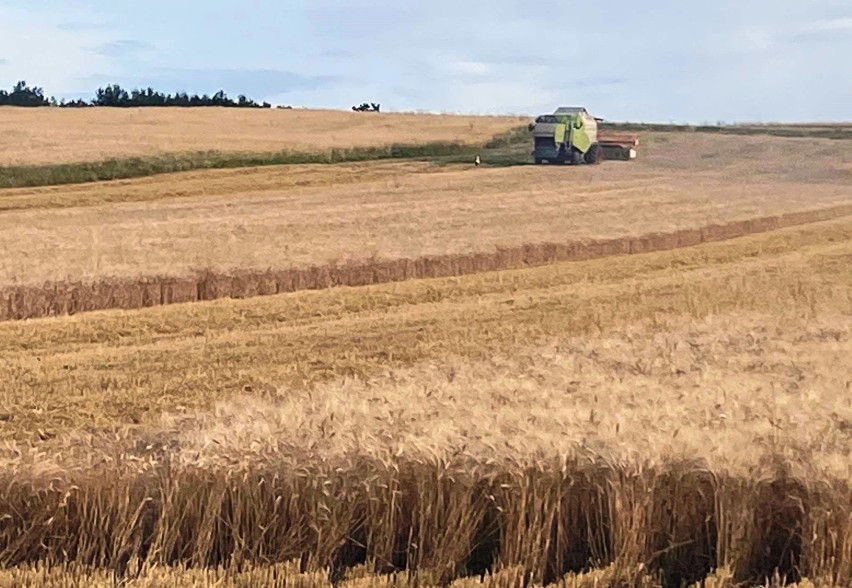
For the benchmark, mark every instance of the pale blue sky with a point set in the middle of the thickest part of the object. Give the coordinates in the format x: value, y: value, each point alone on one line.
x: 655, y: 60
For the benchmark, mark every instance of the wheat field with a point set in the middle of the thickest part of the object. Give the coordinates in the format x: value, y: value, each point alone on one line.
x: 644, y: 376
x: 119, y: 368
x: 51, y: 136
x: 313, y: 215
x: 677, y: 418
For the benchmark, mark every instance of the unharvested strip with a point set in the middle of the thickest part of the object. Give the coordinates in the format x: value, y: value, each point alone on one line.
x: 25, y: 302
x: 446, y: 517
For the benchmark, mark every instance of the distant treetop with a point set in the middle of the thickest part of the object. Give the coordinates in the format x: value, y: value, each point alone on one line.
x: 368, y: 107
x: 23, y: 95
x: 115, y: 96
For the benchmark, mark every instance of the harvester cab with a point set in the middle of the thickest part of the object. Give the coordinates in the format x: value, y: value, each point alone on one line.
x: 570, y: 135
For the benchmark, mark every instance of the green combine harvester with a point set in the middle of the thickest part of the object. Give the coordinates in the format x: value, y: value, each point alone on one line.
x: 571, y: 135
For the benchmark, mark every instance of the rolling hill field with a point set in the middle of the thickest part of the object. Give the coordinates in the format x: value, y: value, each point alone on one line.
x: 32, y: 137
x: 632, y: 374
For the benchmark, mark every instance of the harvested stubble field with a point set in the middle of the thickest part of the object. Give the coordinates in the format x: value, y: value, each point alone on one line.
x: 135, y: 233
x: 655, y: 416
x: 54, y: 136
x: 839, y: 131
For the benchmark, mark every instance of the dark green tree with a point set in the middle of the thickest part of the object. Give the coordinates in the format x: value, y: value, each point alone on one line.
x: 23, y: 95
x: 113, y: 95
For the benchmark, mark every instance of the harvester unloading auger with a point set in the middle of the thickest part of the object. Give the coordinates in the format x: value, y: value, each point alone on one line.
x: 571, y: 135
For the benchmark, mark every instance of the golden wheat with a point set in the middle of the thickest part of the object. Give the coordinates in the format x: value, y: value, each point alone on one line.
x: 465, y: 443
x: 290, y: 575
x: 93, y: 369
x: 49, y: 136
x: 51, y: 299
x: 654, y: 420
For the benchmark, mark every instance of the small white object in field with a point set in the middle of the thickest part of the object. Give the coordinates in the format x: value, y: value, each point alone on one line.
x: 477, y: 161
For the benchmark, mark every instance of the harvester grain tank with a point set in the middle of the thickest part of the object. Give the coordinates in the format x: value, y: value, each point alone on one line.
x: 571, y: 135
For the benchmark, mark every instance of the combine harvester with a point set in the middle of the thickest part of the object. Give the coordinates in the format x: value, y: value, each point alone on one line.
x: 570, y: 135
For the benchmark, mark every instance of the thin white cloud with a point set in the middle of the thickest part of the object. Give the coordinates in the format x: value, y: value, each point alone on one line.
x: 468, y: 68
x: 38, y: 49
x: 754, y: 40
x: 835, y: 24
x: 123, y: 48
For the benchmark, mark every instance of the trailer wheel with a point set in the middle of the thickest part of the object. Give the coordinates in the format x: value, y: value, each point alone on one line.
x: 594, y: 155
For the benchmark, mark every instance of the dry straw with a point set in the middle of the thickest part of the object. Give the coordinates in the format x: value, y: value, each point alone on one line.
x: 444, y: 518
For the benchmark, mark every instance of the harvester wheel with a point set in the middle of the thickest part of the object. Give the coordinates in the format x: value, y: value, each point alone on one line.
x: 594, y: 155
x: 576, y: 156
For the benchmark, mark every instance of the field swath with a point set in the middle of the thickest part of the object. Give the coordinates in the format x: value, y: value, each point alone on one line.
x: 62, y: 298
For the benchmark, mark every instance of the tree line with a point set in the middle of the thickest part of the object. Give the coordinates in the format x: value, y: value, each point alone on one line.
x: 115, y: 96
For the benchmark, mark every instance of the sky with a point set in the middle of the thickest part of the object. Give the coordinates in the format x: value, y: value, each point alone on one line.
x: 656, y: 60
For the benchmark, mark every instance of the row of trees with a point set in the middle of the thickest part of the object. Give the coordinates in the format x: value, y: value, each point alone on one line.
x: 23, y: 95
x: 116, y: 96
